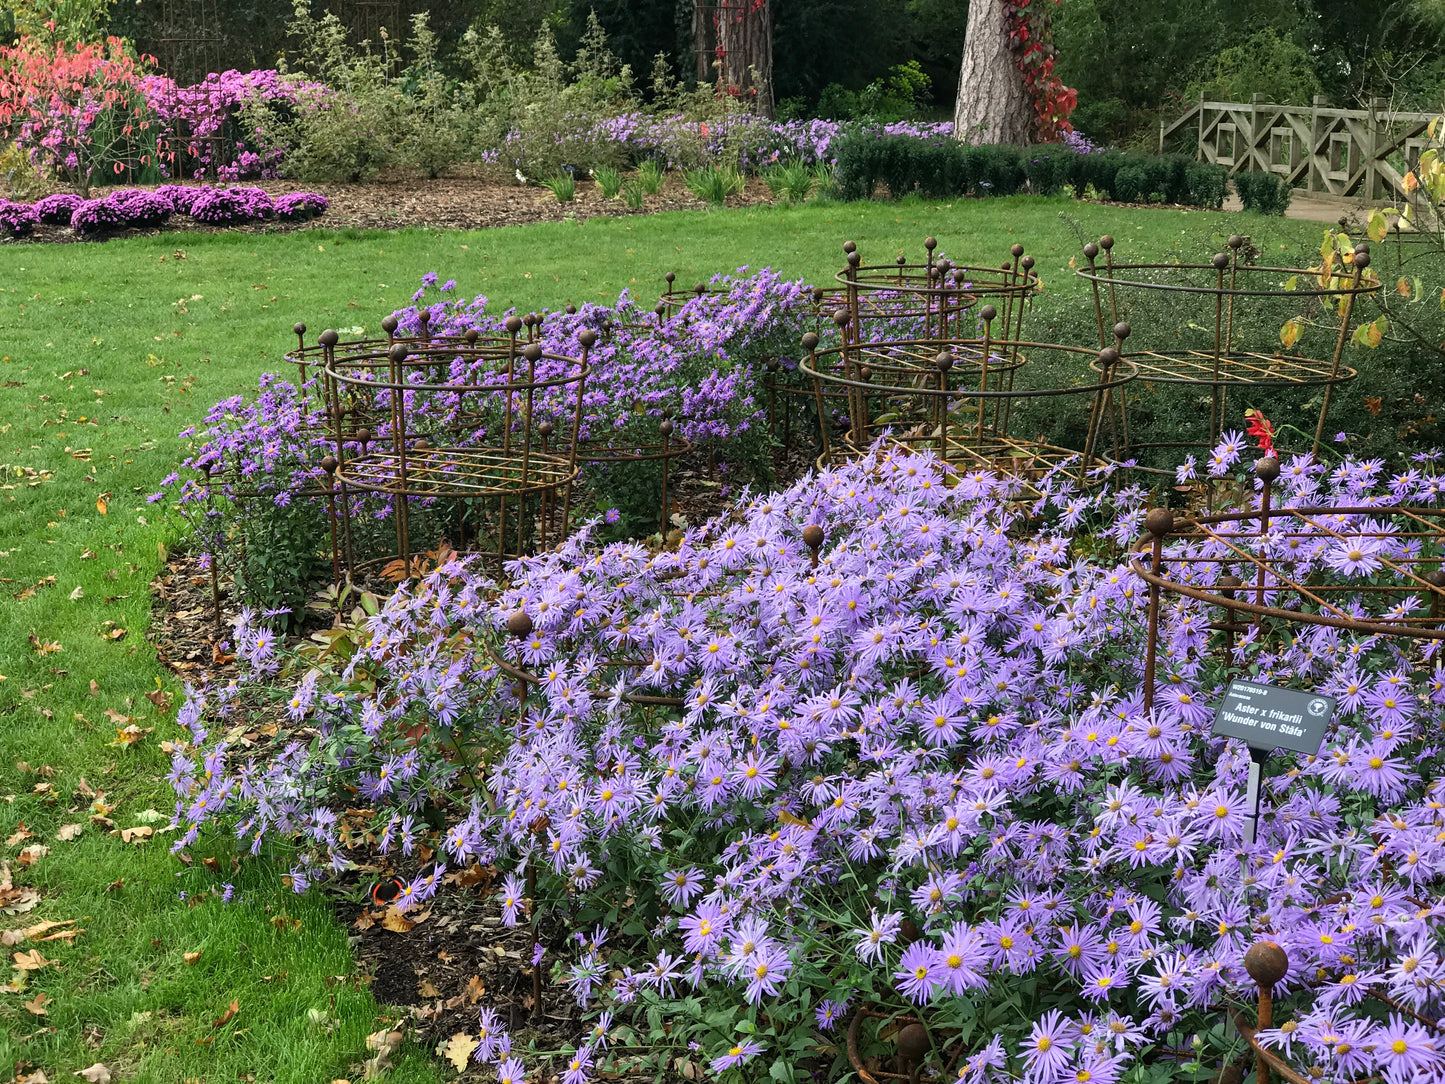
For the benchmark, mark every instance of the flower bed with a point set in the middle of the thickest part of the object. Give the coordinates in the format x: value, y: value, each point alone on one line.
x: 877, y: 743
x: 138, y: 207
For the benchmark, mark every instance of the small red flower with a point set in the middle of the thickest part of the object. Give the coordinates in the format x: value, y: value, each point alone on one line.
x: 1261, y: 428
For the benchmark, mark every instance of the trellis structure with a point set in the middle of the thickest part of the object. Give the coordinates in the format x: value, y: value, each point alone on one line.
x: 1363, y: 153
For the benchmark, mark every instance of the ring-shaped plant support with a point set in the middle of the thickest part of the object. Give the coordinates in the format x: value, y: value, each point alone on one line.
x: 487, y: 426
x: 1297, y: 565
x: 956, y: 397
x: 1223, y: 302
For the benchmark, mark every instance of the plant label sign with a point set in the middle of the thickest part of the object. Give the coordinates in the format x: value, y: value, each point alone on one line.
x: 1265, y: 717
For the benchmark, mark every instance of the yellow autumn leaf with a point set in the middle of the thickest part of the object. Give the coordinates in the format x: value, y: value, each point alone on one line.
x: 1402, y: 286
x: 458, y: 1050
x: 1290, y: 333
x: 101, y: 506
x: 1378, y: 226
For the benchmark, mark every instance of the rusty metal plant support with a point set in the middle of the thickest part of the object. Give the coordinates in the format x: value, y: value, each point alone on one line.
x: 1245, y: 563
x: 457, y: 422
x: 1223, y: 292
x: 955, y: 396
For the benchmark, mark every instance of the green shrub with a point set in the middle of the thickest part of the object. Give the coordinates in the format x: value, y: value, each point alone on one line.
x: 715, y: 184
x: 1207, y: 182
x: 650, y: 176
x: 609, y: 181
x: 563, y: 187
x: 1265, y: 193
x: 1131, y: 183
x: 794, y: 182
x: 633, y: 194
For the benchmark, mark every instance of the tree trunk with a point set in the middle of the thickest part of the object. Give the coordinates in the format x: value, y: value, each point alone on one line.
x: 703, y: 46
x: 992, y: 106
x: 745, y: 51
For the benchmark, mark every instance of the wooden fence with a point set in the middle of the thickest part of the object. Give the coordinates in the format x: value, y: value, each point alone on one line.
x: 1363, y: 153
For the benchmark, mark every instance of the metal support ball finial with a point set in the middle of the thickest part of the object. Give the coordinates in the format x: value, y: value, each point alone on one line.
x: 810, y: 341
x: 671, y: 277
x: 1229, y: 583
x: 913, y: 1043
x: 841, y: 317
x: 930, y: 243
x: 1220, y: 261
x: 546, y: 429
x: 587, y: 337
x: 1362, y: 260
x: 818, y: 294
x: 1016, y: 251
x: 532, y: 352
x: 1122, y: 330
x: 944, y: 360
x: 470, y: 336
x: 389, y: 324
x: 328, y: 464
x: 902, y: 260
x: 849, y: 246
x: 513, y: 324
x: 813, y: 536
x: 1091, y: 251
x: 865, y: 373
x: 571, y: 309
x: 1108, y: 357
x: 1267, y: 469
x: 1106, y: 242
x: 660, y: 309
x: 1159, y: 522
x: 397, y: 353
x: 424, y: 315
x: 1235, y: 241
x: 700, y: 288
x: 854, y: 259
x: 519, y: 624
x: 1266, y: 963
x: 299, y: 328
x: 328, y: 338
x: 665, y: 427
x: 988, y: 313
x: 1027, y: 263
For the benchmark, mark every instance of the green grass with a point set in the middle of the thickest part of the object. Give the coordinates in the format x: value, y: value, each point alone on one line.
x: 162, y: 338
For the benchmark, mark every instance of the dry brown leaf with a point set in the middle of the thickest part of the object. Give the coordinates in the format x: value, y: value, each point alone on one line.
x: 191, y: 957
x: 16, y: 901
x: 458, y: 1050
x: 139, y: 834
x: 32, y: 854
x: 36, y: 1005
x: 20, y: 835
x: 231, y: 1010
x: 426, y: 988
x: 396, y: 922
x: 98, y: 1073
x: 160, y: 699
x: 475, y: 990
x: 84, y: 789
x: 33, y: 960
x: 69, y: 832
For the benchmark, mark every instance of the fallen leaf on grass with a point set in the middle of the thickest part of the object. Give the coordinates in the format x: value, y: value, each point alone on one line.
x: 458, y: 1050
x: 32, y: 854
x: 98, y: 1073
x: 191, y: 957
x: 69, y: 832
x: 160, y: 699
x: 36, y: 933
x: 43, y: 647
x: 116, y: 717
x: 129, y: 735
x: 33, y: 960
x: 139, y: 834
x: 20, y: 835
x: 101, y: 506
x: 36, y: 1006
x: 231, y: 1010
x: 77, y: 594
x: 16, y: 901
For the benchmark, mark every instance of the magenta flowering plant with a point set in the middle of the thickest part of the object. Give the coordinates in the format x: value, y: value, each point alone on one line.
x: 17, y: 219
x: 878, y: 741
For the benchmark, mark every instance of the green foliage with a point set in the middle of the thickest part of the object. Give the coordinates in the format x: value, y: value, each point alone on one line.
x: 1264, y: 193
x: 944, y: 169
x: 609, y: 181
x: 650, y: 176
x: 431, y: 116
x: 714, y: 184
x: 794, y: 182
x: 282, y: 553
x: 563, y: 187
x: 1264, y: 63
x: 896, y: 96
x: 634, y: 193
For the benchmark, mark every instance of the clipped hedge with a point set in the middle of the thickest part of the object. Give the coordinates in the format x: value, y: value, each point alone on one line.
x: 941, y: 168
x: 1267, y: 193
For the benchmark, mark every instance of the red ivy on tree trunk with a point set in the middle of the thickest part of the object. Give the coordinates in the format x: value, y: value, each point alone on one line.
x: 1031, y: 37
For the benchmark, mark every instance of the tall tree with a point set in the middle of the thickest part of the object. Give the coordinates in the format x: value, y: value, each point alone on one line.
x: 745, y: 51
x: 993, y: 104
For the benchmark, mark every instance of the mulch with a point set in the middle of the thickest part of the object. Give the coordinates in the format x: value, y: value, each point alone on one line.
x: 400, y: 199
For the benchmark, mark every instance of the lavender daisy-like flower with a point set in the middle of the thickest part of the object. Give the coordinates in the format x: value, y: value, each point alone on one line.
x: 920, y: 971
x: 881, y: 931
x: 737, y: 1055
x: 1356, y: 556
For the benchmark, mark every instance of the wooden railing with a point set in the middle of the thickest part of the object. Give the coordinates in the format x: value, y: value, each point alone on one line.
x: 1363, y: 153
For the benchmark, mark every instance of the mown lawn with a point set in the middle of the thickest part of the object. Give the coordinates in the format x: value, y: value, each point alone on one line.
x: 108, y: 350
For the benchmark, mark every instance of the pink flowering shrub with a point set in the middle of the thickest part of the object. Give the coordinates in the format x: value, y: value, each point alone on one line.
x: 909, y: 772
